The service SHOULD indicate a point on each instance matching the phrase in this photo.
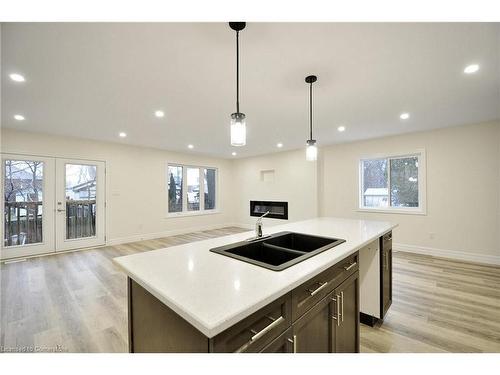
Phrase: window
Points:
(209, 183)
(174, 188)
(393, 184)
(185, 184)
(193, 189)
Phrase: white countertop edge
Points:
(212, 330)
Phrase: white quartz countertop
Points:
(212, 291)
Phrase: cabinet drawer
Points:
(308, 294)
(252, 334)
(283, 344)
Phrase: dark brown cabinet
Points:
(312, 333)
(319, 316)
(282, 344)
(385, 272)
(346, 316)
(332, 325)
(311, 292)
(252, 334)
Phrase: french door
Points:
(80, 204)
(51, 204)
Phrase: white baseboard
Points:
(450, 254)
(168, 233)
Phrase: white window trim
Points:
(202, 210)
(422, 184)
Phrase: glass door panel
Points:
(80, 200)
(23, 202)
(80, 204)
(28, 218)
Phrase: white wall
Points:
(132, 172)
(463, 187)
(293, 180)
(463, 190)
(498, 228)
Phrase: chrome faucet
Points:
(258, 226)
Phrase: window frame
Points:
(202, 210)
(422, 185)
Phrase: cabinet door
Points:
(386, 274)
(387, 281)
(282, 344)
(255, 332)
(312, 333)
(346, 313)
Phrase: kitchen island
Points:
(187, 298)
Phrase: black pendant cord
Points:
(310, 111)
(237, 72)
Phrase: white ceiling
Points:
(94, 80)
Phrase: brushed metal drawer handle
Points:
(342, 308)
(338, 317)
(294, 342)
(350, 266)
(266, 329)
(315, 291)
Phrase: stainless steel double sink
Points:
(278, 251)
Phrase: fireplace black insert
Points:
(277, 210)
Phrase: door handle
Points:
(337, 302)
(315, 291)
(293, 342)
(342, 308)
(262, 332)
(60, 210)
(275, 322)
(347, 268)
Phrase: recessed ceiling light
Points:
(404, 116)
(233, 153)
(279, 145)
(159, 114)
(19, 117)
(122, 134)
(17, 77)
(470, 69)
(341, 128)
(190, 146)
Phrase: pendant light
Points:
(238, 123)
(311, 149)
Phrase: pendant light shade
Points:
(311, 148)
(238, 130)
(238, 122)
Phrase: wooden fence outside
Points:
(80, 218)
(23, 221)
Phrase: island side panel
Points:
(369, 280)
(155, 328)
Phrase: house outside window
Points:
(191, 190)
(394, 183)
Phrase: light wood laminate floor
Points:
(77, 302)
